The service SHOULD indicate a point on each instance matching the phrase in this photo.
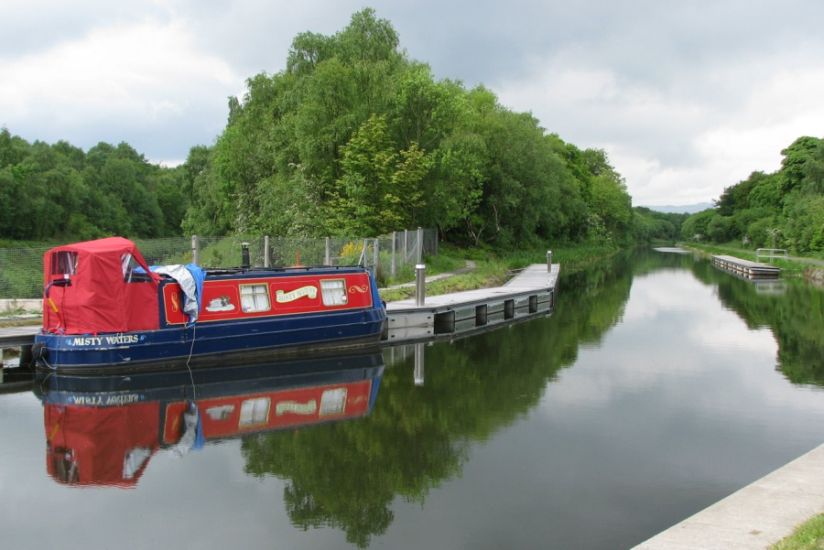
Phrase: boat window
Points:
(254, 298)
(132, 273)
(333, 292)
(64, 263)
(333, 402)
(254, 411)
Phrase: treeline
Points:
(59, 191)
(783, 209)
(650, 225)
(354, 138)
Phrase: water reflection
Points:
(649, 393)
(795, 316)
(651, 386)
(349, 475)
(103, 430)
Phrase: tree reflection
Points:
(796, 319)
(347, 475)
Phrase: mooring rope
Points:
(188, 360)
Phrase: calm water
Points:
(658, 387)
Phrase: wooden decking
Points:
(745, 268)
(530, 293)
(11, 337)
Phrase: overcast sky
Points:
(686, 97)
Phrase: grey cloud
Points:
(702, 58)
(37, 25)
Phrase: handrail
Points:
(770, 253)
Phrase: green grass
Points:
(807, 536)
(11, 243)
(493, 268)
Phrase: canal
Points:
(658, 386)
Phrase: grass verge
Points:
(493, 268)
(807, 536)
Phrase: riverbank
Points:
(494, 267)
(488, 268)
(807, 536)
(811, 269)
(757, 516)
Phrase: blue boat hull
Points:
(213, 343)
(109, 389)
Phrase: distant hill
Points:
(682, 208)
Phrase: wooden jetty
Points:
(530, 293)
(745, 268)
(20, 338)
(12, 337)
(17, 378)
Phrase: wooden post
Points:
(195, 250)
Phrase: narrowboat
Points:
(104, 429)
(105, 308)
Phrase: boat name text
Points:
(100, 340)
(105, 400)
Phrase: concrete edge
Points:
(756, 516)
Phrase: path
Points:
(470, 265)
(808, 261)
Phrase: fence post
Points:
(376, 257)
(267, 256)
(435, 253)
(195, 250)
(420, 245)
(327, 258)
(405, 246)
(392, 265)
(549, 260)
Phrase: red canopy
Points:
(90, 445)
(91, 287)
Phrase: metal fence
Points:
(389, 256)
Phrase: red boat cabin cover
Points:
(92, 287)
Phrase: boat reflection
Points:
(102, 430)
